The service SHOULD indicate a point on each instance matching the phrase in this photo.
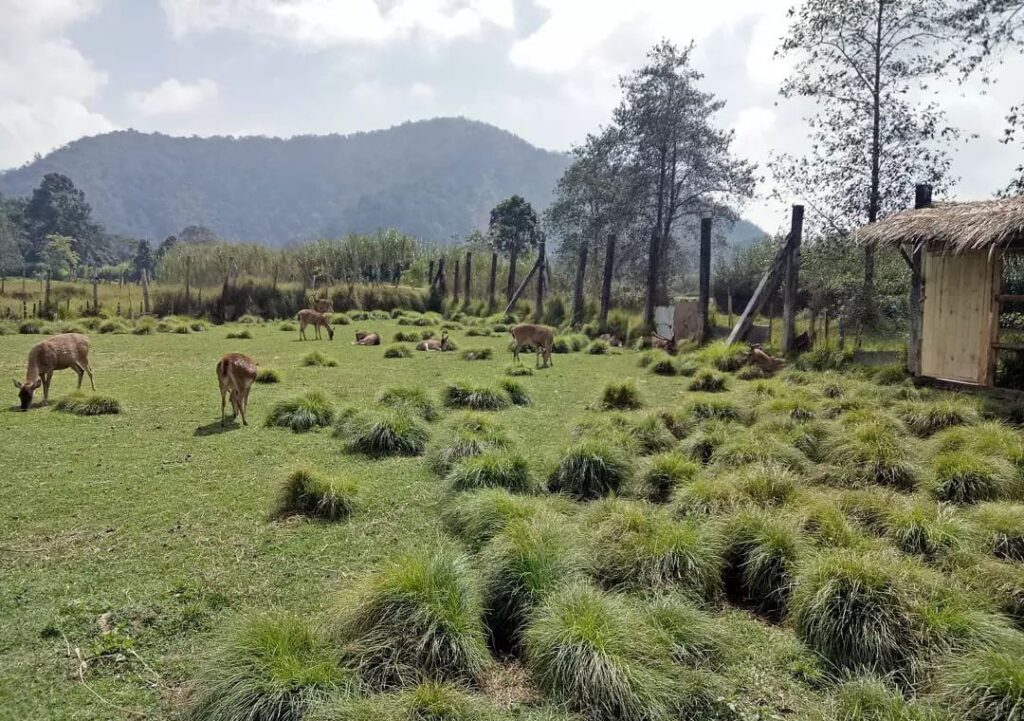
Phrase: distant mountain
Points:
(432, 179)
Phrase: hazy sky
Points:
(543, 69)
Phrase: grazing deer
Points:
(315, 319)
(540, 337)
(433, 344)
(235, 373)
(67, 350)
(762, 360)
(666, 344)
(364, 338)
(323, 305)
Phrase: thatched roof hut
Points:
(952, 227)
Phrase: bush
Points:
(479, 516)
(398, 350)
(707, 382)
(986, 684)
(595, 654)
(406, 337)
(517, 395)
(412, 398)
(875, 452)
(302, 413)
(926, 530)
(597, 347)
(268, 375)
(1002, 529)
(963, 477)
(514, 370)
(478, 398)
(856, 611)
(493, 469)
(271, 667)
(560, 345)
(622, 395)
(92, 404)
(316, 358)
(394, 432)
(589, 470)
(32, 326)
(924, 418)
(340, 319)
(524, 563)
(663, 474)
(761, 557)
(417, 619)
(304, 492)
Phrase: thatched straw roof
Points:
(952, 227)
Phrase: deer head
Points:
(330, 333)
(25, 391)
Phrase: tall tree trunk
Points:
(512, 260)
(606, 282)
(654, 252)
(467, 293)
(145, 291)
(188, 289)
(456, 286)
(492, 283)
(581, 277)
(538, 311)
(868, 309)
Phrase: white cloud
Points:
(46, 85)
(173, 97)
(321, 24)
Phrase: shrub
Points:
(708, 382)
(316, 358)
(561, 345)
(479, 398)
(1002, 529)
(418, 618)
(398, 350)
(761, 558)
(924, 418)
(635, 549)
(523, 564)
(93, 404)
(269, 668)
(595, 654)
(925, 529)
(875, 452)
(590, 469)
(394, 432)
(493, 469)
(304, 492)
(692, 635)
(412, 398)
(302, 413)
(515, 370)
(517, 395)
(663, 474)
(856, 611)
(597, 347)
(621, 395)
(406, 337)
(471, 354)
(986, 684)
(479, 516)
(268, 375)
(963, 477)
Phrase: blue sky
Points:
(543, 69)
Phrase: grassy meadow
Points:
(623, 535)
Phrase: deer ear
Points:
(16, 383)
(39, 382)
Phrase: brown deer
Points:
(364, 338)
(762, 360)
(434, 344)
(315, 319)
(541, 337)
(666, 344)
(67, 350)
(235, 373)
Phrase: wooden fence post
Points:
(96, 294)
(456, 286)
(493, 281)
(704, 290)
(790, 298)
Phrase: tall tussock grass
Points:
(1001, 529)
(477, 517)
(924, 418)
(393, 432)
(303, 413)
(413, 398)
(308, 493)
(467, 435)
(590, 469)
(874, 452)
(621, 395)
(986, 684)
(663, 473)
(474, 397)
(92, 404)
(494, 469)
(761, 559)
(963, 477)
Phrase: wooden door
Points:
(959, 307)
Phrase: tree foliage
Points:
(57, 207)
(514, 230)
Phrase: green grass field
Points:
(131, 543)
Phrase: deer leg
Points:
(80, 372)
(46, 387)
(515, 352)
(223, 393)
(243, 405)
(88, 369)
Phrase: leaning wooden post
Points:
(922, 199)
(519, 291)
(789, 299)
(538, 310)
(606, 282)
(467, 290)
(492, 282)
(145, 291)
(704, 290)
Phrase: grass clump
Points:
(518, 370)
(244, 334)
(745, 448)
(865, 698)
(112, 325)
(1001, 526)
(692, 635)
(702, 444)
(302, 413)
(394, 432)
(663, 365)
(708, 496)
(478, 516)
(707, 381)
(271, 667)
(874, 452)
(93, 404)
(621, 395)
(398, 350)
(304, 492)
(712, 407)
(478, 398)
(318, 359)
(268, 375)
(412, 398)
(964, 477)
(468, 435)
(762, 553)
(287, 326)
(406, 337)
(924, 418)
(419, 618)
(986, 684)
(597, 655)
(597, 347)
(517, 395)
(471, 354)
(590, 469)
(494, 469)
(767, 484)
(925, 529)
(724, 357)
(663, 474)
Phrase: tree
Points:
(514, 230)
(11, 240)
(681, 164)
(197, 235)
(58, 256)
(143, 260)
(57, 207)
(165, 245)
(870, 142)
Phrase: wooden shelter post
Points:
(922, 199)
(704, 291)
(789, 300)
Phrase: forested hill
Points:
(433, 179)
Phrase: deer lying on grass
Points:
(433, 344)
(67, 350)
(315, 319)
(540, 337)
(762, 360)
(236, 374)
(364, 338)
